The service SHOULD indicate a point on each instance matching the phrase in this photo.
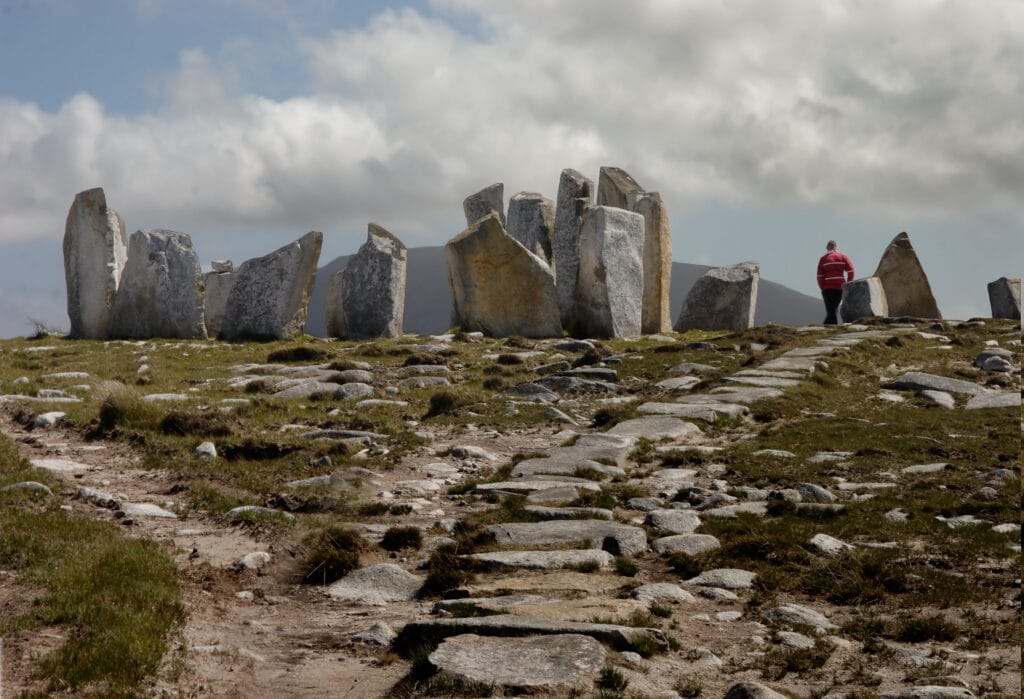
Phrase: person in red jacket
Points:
(834, 270)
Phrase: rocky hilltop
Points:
(783, 511)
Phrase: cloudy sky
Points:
(767, 127)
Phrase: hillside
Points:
(428, 299)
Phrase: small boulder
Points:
(725, 298)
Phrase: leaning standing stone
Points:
(488, 199)
(95, 250)
(725, 298)
(1004, 296)
(863, 298)
(498, 286)
(366, 299)
(906, 285)
(531, 221)
(610, 285)
(270, 296)
(161, 290)
(615, 187)
(575, 194)
(656, 316)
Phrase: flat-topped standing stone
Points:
(487, 200)
(531, 221)
(366, 299)
(610, 283)
(1004, 297)
(656, 316)
(628, 540)
(161, 289)
(906, 286)
(270, 296)
(575, 194)
(95, 250)
(498, 286)
(560, 664)
(725, 298)
(216, 289)
(615, 186)
(863, 298)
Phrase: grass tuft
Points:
(332, 553)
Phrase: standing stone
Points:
(863, 298)
(531, 221)
(95, 250)
(906, 286)
(656, 316)
(575, 194)
(269, 298)
(488, 199)
(610, 284)
(725, 298)
(1004, 297)
(217, 287)
(498, 286)
(161, 289)
(366, 299)
(615, 187)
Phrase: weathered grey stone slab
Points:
(655, 428)
(487, 200)
(572, 384)
(610, 282)
(929, 691)
(707, 411)
(656, 316)
(994, 399)
(569, 512)
(366, 299)
(758, 509)
(510, 625)
(615, 187)
(674, 521)
(863, 298)
(808, 364)
(771, 374)
(691, 368)
(727, 578)
(216, 289)
(525, 486)
(662, 592)
(29, 486)
(553, 496)
(531, 221)
(270, 296)
(561, 664)
(825, 545)
(95, 251)
(498, 286)
(679, 383)
(545, 560)
(940, 398)
(798, 614)
(752, 690)
(380, 634)
(628, 540)
(919, 381)
(161, 289)
(815, 493)
(575, 194)
(906, 285)
(822, 351)
(743, 395)
(377, 585)
(690, 544)
(1004, 298)
(763, 381)
(562, 467)
(924, 468)
(59, 465)
(725, 298)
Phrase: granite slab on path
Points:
(655, 428)
(559, 664)
(545, 560)
(377, 585)
(599, 533)
(995, 399)
(704, 411)
(919, 381)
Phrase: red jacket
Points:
(834, 268)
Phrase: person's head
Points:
(832, 245)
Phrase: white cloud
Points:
(908, 108)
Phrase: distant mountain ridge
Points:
(428, 300)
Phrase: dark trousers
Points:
(832, 298)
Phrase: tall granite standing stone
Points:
(161, 289)
(725, 298)
(610, 285)
(863, 298)
(488, 199)
(656, 315)
(575, 194)
(217, 287)
(498, 286)
(615, 187)
(270, 296)
(531, 221)
(906, 286)
(366, 299)
(1004, 297)
(95, 250)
